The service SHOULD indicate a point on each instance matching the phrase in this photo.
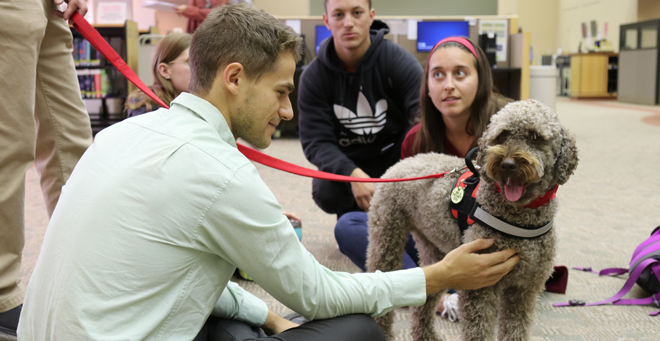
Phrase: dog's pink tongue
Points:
(513, 190)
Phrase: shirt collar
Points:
(206, 111)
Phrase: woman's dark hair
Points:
(431, 135)
(166, 51)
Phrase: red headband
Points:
(459, 40)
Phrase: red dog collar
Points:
(540, 201)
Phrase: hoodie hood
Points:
(328, 56)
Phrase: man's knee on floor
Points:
(333, 197)
(329, 200)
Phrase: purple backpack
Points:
(644, 269)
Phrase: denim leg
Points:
(352, 235)
(411, 252)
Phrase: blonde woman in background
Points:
(171, 72)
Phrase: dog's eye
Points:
(502, 137)
(534, 136)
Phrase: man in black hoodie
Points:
(356, 100)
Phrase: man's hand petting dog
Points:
(464, 269)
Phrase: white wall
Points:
(284, 8)
(572, 13)
(557, 23)
(167, 21)
(144, 17)
(540, 18)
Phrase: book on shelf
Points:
(94, 83)
(84, 54)
(97, 78)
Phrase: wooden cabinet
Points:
(590, 75)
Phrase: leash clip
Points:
(587, 269)
(575, 303)
(456, 170)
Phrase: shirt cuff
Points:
(253, 310)
(237, 304)
(408, 287)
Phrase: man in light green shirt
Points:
(162, 208)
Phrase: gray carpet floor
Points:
(607, 208)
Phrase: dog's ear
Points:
(481, 154)
(567, 159)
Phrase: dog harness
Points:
(466, 211)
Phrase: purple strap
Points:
(626, 288)
(654, 239)
(612, 272)
(639, 301)
(604, 272)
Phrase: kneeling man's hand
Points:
(276, 324)
(362, 191)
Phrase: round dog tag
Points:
(457, 195)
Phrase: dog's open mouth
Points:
(514, 189)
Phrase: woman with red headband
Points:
(457, 100)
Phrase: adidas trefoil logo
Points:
(365, 122)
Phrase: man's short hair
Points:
(238, 34)
(325, 5)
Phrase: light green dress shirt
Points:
(151, 225)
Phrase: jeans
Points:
(351, 233)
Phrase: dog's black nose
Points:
(508, 165)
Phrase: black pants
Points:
(334, 197)
(357, 327)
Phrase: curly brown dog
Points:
(524, 154)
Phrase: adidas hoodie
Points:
(358, 119)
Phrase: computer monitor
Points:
(430, 33)
(322, 33)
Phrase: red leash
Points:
(92, 35)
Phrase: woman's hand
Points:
(180, 9)
(290, 215)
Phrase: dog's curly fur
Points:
(524, 144)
